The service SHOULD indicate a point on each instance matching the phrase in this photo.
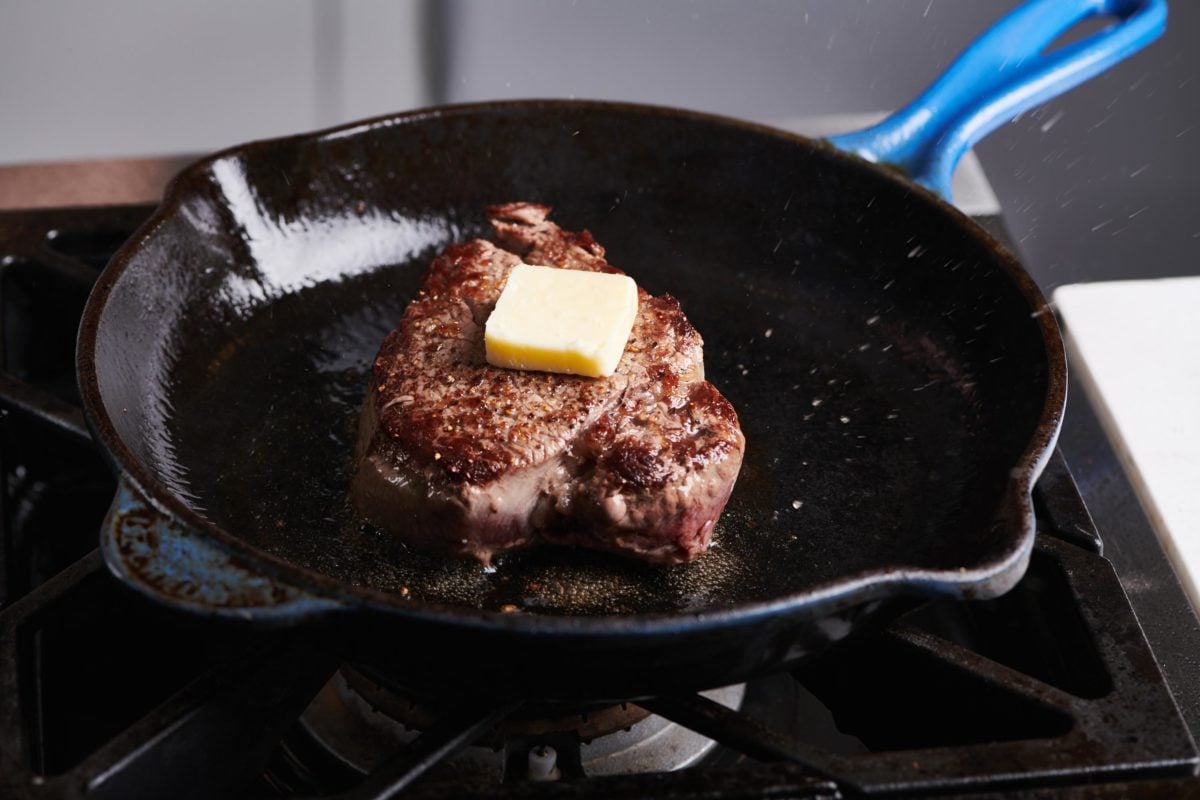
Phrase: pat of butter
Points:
(561, 320)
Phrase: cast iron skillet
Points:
(897, 376)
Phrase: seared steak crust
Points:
(458, 456)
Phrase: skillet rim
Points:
(1014, 505)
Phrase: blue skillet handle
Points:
(1001, 74)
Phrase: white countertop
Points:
(1135, 346)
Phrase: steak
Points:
(457, 456)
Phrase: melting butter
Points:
(561, 320)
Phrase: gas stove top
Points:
(1050, 690)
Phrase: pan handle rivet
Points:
(543, 764)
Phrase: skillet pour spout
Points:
(897, 414)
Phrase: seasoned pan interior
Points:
(887, 368)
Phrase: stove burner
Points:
(587, 723)
(361, 724)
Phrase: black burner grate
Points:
(1048, 691)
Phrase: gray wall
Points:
(83, 79)
(1101, 183)
(758, 59)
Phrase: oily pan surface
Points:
(887, 374)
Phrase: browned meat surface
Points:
(457, 456)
